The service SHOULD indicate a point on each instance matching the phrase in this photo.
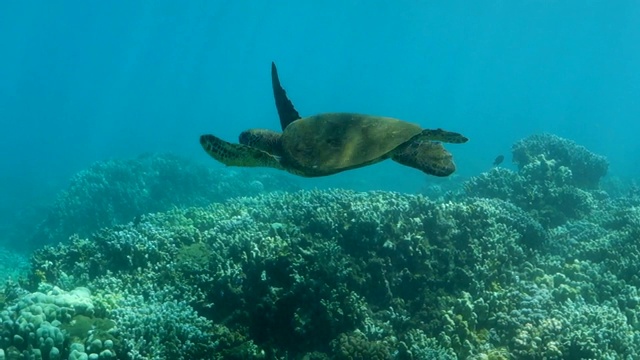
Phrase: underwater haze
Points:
(529, 250)
(86, 81)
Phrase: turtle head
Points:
(265, 140)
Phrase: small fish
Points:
(499, 159)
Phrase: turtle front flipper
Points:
(286, 111)
(237, 154)
(428, 156)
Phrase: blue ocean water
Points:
(84, 81)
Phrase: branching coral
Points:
(320, 274)
(542, 187)
(587, 167)
(119, 191)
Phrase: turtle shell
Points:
(332, 142)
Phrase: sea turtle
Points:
(329, 143)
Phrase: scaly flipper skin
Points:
(428, 156)
(444, 136)
(422, 153)
(263, 139)
(286, 111)
(237, 154)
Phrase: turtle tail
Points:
(237, 154)
(427, 156)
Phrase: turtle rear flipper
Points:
(237, 154)
(444, 136)
(428, 156)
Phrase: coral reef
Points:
(118, 191)
(286, 276)
(336, 274)
(540, 188)
(587, 168)
(556, 181)
(35, 325)
(533, 265)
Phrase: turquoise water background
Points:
(83, 81)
